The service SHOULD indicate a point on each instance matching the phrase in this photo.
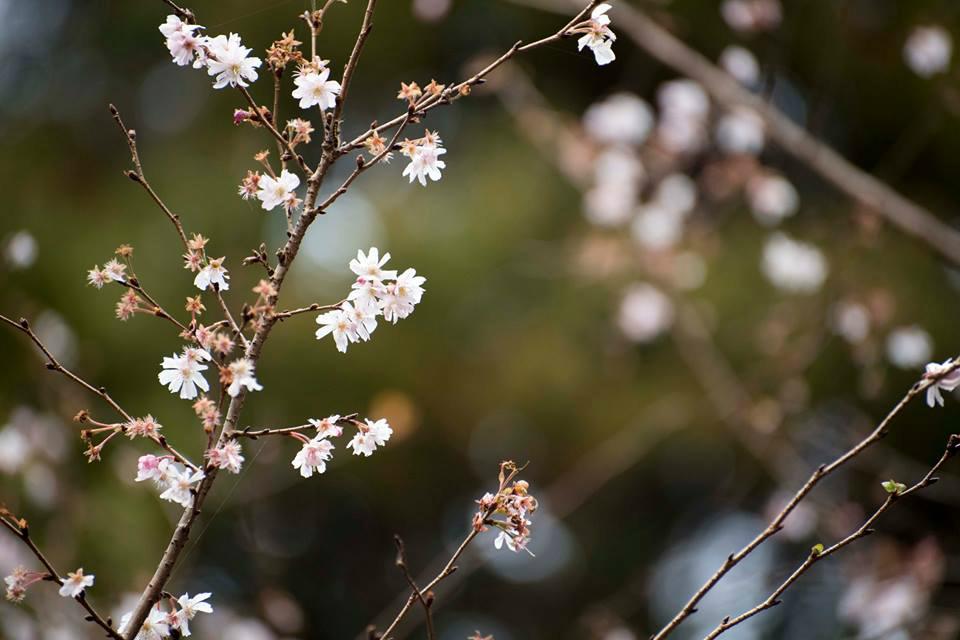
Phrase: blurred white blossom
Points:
(772, 198)
(741, 64)
(927, 50)
(793, 266)
(909, 347)
(622, 118)
(645, 313)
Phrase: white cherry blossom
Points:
(277, 191)
(230, 63)
(313, 456)
(315, 88)
(242, 375)
(182, 373)
(75, 582)
(190, 607)
(949, 380)
(214, 273)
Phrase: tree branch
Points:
(953, 445)
(137, 174)
(23, 533)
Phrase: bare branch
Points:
(137, 174)
(425, 600)
(23, 534)
(817, 554)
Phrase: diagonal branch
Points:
(817, 554)
(908, 216)
(20, 530)
(425, 600)
(137, 174)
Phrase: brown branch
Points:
(817, 554)
(54, 365)
(450, 565)
(425, 601)
(23, 533)
(160, 312)
(453, 92)
(286, 256)
(137, 174)
(348, 71)
(281, 139)
(776, 524)
(229, 318)
(908, 216)
(184, 14)
(253, 434)
(283, 315)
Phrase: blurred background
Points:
(627, 286)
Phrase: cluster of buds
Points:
(213, 340)
(514, 503)
(19, 581)
(207, 411)
(252, 117)
(283, 51)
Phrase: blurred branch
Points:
(722, 386)
(910, 217)
(137, 174)
(818, 553)
(283, 315)
(20, 530)
(253, 434)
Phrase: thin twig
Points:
(137, 174)
(425, 601)
(160, 312)
(817, 554)
(229, 318)
(253, 434)
(54, 365)
(462, 88)
(23, 534)
(283, 315)
(281, 139)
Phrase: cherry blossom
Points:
(340, 326)
(793, 266)
(645, 313)
(945, 379)
(598, 37)
(190, 607)
(369, 436)
(180, 483)
(227, 456)
(183, 42)
(214, 273)
(369, 267)
(150, 467)
(313, 456)
(97, 277)
(75, 583)
(145, 427)
(909, 347)
(402, 295)
(182, 373)
(424, 163)
(241, 374)
(277, 191)
(928, 50)
(19, 581)
(155, 627)
(229, 62)
(741, 64)
(315, 88)
(327, 427)
(363, 316)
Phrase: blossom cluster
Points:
(317, 451)
(224, 57)
(376, 292)
(21, 579)
(514, 503)
(183, 373)
(176, 481)
(597, 35)
(173, 623)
